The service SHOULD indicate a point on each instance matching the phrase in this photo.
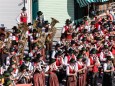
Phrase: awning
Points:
(83, 3)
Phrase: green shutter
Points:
(34, 9)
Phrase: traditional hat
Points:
(105, 25)
(12, 49)
(93, 51)
(68, 21)
(6, 74)
(34, 31)
(84, 38)
(23, 66)
(74, 35)
(85, 18)
(29, 24)
(93, 23)
(110, 30)
(14, 28)
(7, 82)
(39, 55)
(79, 56)
(46, 23)
(110, 37)
(39, 13)
(70, 51)
(85, 31)
(24, 9)
(58, 45)
(52, 61)
(105, 47)
(109, 58)
(14, 42)
(72, 61)
(98, 38)
(27, 58)
(59, 53)
(83, 49)
(103, 20)
(73, 42)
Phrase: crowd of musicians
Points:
(85, 53)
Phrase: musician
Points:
(71, 72)
(69, 56)
(104, 53)
(40, 19)
(51, 69)
(66, 27)
(28, 63)
(38, 74)
(108, 72)
(93, 64)
(23, 75)
(81, 70)
(23, 17)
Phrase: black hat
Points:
(7, 82)
(109, 58)
(113, 22)
(34, 31)
(24, 9)
(68, 21)
(12, 49)
(17, 31)
(46, 23)
(79, 56)
(93, 51)
(72, 61)
(14, 28)
(110, 30)
(39, 13)
(98, 38)
(74, 35)
(14, 42)
(39, 55)
(93, 23)
(73, 42)
(29, 24)
(110, 37)
(70, 51)
(81, 23)
(58, 45)
(103, 20)
(59, 53)
(6, 74)
(27, 58)
(85, 31)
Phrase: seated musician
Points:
(71, 72)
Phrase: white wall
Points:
(58, 9)
(9, 10)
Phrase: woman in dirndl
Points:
(108, 72)
(71, 72)
(51, 70)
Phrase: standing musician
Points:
(93, 64)
(51, 69)
(108, 72)
(81, 70)
(22, 18)
(71, 72)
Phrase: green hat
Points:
(59, 53)
(72, 61)
(84, 38)
(93, 23)
(27, 58)
(93, 51)
(52, 61)
(85, 18)
(10, 69)
(1, 76)
(7, 82)
(105, 47)
(22, 67)
(83, 49)
(70, 51)
(109, 58)
(12, 63)
(6, 74)
(98, 38)
(79, 56)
